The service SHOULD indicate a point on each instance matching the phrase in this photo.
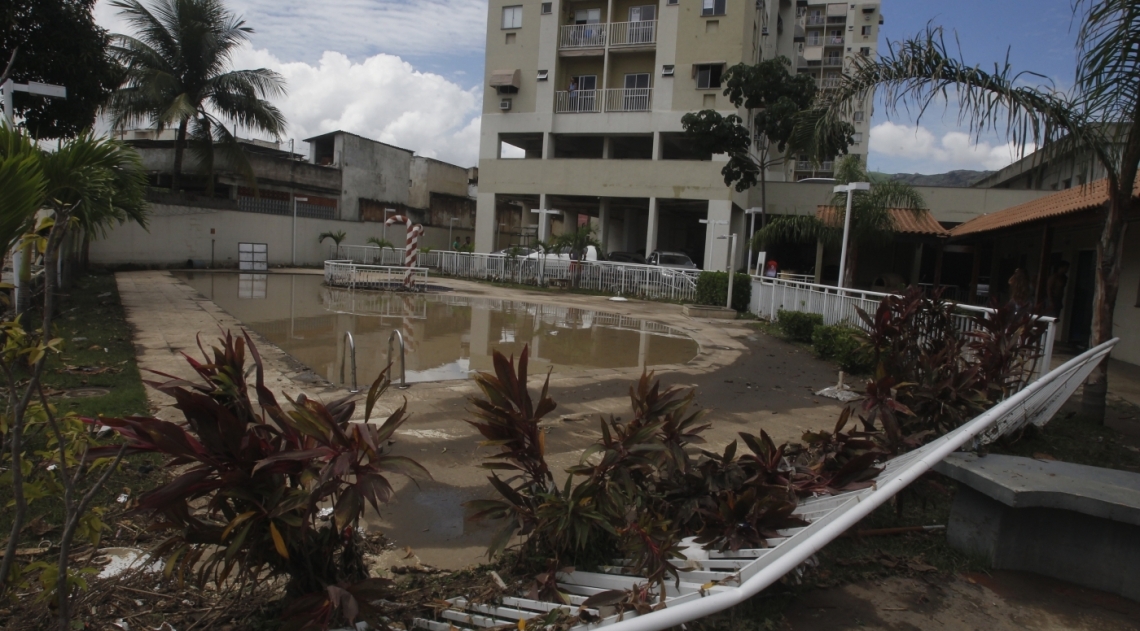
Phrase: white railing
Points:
(831, 62)
(808, 165)
(830, 82)
(838, 306)
(816, 20)
(354, 276)
(814, 41)
(713, 580)
(583, 36)
(577, 102)
(629, 100)
(640, 33)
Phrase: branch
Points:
(8, 68)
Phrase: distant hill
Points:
(961, 178)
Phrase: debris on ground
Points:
(839, 391)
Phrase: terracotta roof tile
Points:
(905, 221)
(1072, 200)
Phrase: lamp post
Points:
(542, 213)
(449, 227)
(728, 265)
(387, 211)
(752, 233)
(850, 190)
(296, 200)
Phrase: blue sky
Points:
(410, 72)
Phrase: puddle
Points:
(446, 336)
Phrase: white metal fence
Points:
(355, 276)
(629, 100)
(623, 279)
(577, 102)
(838, 306)
(712, 581)
(638, 33)
(582, 36)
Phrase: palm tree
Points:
(336, 237)
(872, 222)
(177, 75)
(380, 243)
(576, 242)
(22, 185)
(1100, 117)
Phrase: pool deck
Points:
(746, 380)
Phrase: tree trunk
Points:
(179, 149)
(1109, 252)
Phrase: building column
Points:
(543, 219)
(486, 222)
(607, 148)
(627, 219)
(547, 145)
(818, 262)
(569, 222)
(604, 224)
(716, 250)
(651, 228)
(656, 145)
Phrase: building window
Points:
(512, 17)
(506, 89)
(865, 51)
(857, 116)
(857, 138)
(547, 8)
(866, 31)
(712, 7)
(708, 76)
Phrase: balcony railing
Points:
(816, 20)
(629, 100)
(641, 33)
(814, 41)
(837, 19)
(807, 165)
(577, 102)
(833, 41)
(583, 36)
(833, 62)
(830, 82)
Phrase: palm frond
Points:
(1108, 48)
(22, 185)
(792, 229)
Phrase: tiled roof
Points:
(1072, 200)
(906, 221)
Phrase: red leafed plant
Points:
(246, 502)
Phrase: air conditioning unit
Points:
(505, 104)
(764, 31)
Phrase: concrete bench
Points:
(1072, 522)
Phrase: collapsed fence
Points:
(712, 581)
(622, 279)
(840, 306)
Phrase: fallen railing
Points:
(355, 276)
(713, 581)
(839, 306)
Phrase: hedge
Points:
(798, 326)
(845, 345)
(712, 289)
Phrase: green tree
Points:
(57, 41)
(774, 99)
(1099, 115)
(336, 237)
(872, 222)
(177, 75)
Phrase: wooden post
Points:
(1043, 267)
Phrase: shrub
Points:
(798, 326)
(250, 482)
(845, 345)
(712, 289)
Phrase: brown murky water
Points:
(446, 336)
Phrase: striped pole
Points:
(411, 246)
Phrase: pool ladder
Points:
(350, 354)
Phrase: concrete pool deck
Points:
(746, 380)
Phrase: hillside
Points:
(961, 178)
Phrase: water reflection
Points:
(446, 336)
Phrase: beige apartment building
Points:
(583, 105)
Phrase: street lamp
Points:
(451, 225)
(386, 212)
(850, 190)
(728, 265)
(296, 200)
(752, 233)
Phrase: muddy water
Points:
(446, 336)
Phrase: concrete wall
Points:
(432, 176)
(269, 169)
(521, 54)
(373, 171)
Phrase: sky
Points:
(410, 73)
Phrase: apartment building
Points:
(583, 105)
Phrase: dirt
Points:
(998, 601)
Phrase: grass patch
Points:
(1073, 437)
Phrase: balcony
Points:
(629, 100)
(826, 166)
(641, 33)
(816, 20)
(833, 41)
(832, 62)
(830, 83)
(579, 36)
(580, 102)
(814, 41)
(595, 101)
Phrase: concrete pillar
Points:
(569, 222)
(603, 235)
(486, 222)
(543, 219)
(651, 228)
(547, 146)
(656, 145)
(628, 216)
(716, 250)
(818, 262)
(607, 148)
(916, 267)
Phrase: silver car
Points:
(675, 260)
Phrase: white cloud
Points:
(954, 150)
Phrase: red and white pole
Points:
(411, 246)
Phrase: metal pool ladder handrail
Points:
(351, 352)
(403, 373)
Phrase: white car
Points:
(563, 254)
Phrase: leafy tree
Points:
(576, 241)
(57, 41)
(1099, 116)
(871, 219)
(774, 99)
(177, 74)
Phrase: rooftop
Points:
(906, 221)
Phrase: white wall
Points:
(178, 233)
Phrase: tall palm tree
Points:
(872, 222)
(336, 237)
(22, 185)
(178, 75)
(1100, 116)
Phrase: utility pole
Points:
(850, 190)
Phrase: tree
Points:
(774, 99)
(57, 41)
(336, 237)
(1099, 116)
(576, 242)
(177, 75)
(871, 218)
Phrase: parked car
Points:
(563, 254)
(675, 260)
(516, 251)
(626, 257)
